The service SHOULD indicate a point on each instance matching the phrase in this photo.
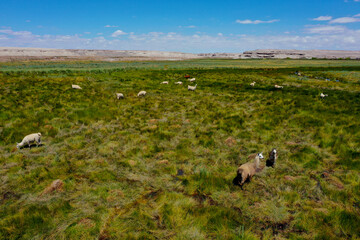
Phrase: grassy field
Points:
(161, 167)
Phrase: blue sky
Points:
(187, 26)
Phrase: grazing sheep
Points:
(192, 79)
(278, 86)
(119, 95)
(165, 82)
(252, 84)
(31, 138)
(247, 170)
(272, 158)
(192, 88)
(75, 86)
(141, 94)
(323, 95)
(178, 83)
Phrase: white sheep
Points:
(192, 88)
(252, 84)
(247, 170)
(75, 86)
(178, 83)
(141, 94)
(323, 95)
(192, 79)
(278, 86)
(119, 95)
(31, 138)
(165, 82)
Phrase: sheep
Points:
(192, 79)
(141, 94)
(192, 88)
(119, 95)
(75, 86)
(252, 84)
(247, 170)
(165, 82)
(31, 138)
(323, 95)
(272, 158)
(178, 83)
(278, 86)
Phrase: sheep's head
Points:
(18, 145)
(39, 134)
(260, 155)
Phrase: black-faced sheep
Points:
(31, 138)
(246, 171)
(119, 95)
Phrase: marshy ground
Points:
(162, 166)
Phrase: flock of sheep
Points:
(322, 95)
(244, 173)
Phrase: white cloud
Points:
(27, 21)
(220, 34)
(315, 37)
(323, 18)
(118, 33)
(110, 26)
(247, 21)
(345, 20)
(324, 29)
(357, 15)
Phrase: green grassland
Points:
(161, 167)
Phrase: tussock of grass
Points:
(162, 166)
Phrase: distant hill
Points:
(14, 53)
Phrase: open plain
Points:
(161, 166)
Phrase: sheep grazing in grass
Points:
(31, 138)
(323, 95)
(75, 86)
(278, 86)
(272, 158)
(165, 82)
(192, 79)
(119, 95)
(192, 88)
(178, 83)
(246, 171)
(252, 84)
(141, 94)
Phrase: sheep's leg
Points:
(28, 142)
